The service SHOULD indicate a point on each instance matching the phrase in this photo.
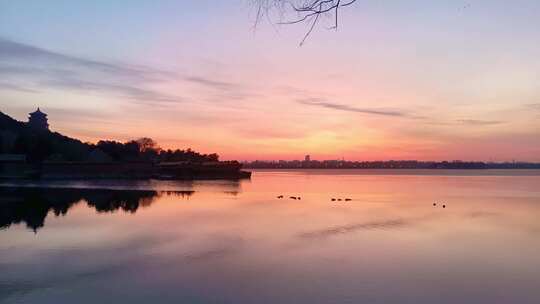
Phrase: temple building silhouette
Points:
(38, 120)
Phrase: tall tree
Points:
(146, 144)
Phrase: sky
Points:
(428, 80)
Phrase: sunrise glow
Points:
(415, 80)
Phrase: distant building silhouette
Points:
(390, 164)
(38, 120)
(307, 158)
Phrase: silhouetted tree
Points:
(112, 148)
(212, 157)
(309, 11)
(40, 149)
(148, 148)
(7, 141)
(146, 144)
(19, 146)
(131, 151)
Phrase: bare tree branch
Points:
(308, 11)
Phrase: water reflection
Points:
(328, 232)
(140, 243)
(31, 203)
(230, 186)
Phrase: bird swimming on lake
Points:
(281, 196)
(292, 197)
(333, 199)
(348, 199)
(444, 206)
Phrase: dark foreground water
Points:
(231, 242)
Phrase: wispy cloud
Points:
(14, 87)
(477, 122)
(11, 50)
(29, 68)
(268, 133)
(210, 254)
(123, 90)
(318, 102)
(466, 122)
(215, 84)
(216, 90)
(534, 106)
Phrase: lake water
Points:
(236, 242)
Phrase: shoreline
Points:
(406, 172)
(123, 171)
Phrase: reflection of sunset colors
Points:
(249, 246)
(408, 80)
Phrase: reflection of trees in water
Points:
(32, 205)
(111, 201)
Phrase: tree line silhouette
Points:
(41, 145)
(146, 149)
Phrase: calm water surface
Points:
(235, 242)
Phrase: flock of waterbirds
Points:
(435, 205)
(299, 198)
(341, 199)
(337, 199)
(291, 197)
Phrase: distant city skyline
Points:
(408, 80)
(343, 159)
